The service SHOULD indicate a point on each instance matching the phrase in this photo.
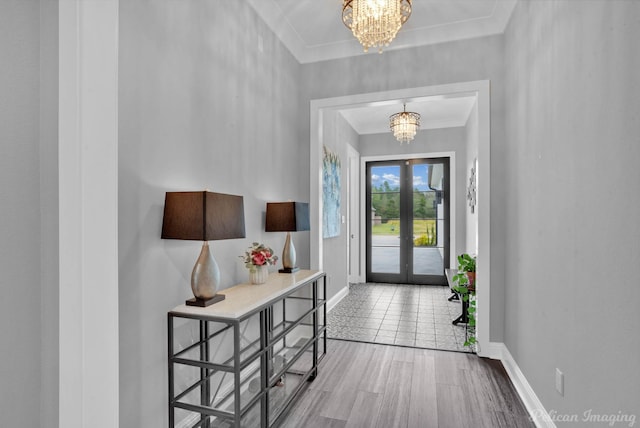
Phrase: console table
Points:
(242, 362)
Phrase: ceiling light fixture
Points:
(404, 125)
(375, 23)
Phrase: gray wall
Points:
(200, 107)
(429, 141)
(454, 62)
(338, 135)
(20, 258)
(191, 73)
(572, 180)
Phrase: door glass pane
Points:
(427, 221)
(385, 219)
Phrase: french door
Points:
(407, 221)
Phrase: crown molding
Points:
(276, 19)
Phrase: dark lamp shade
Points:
(287, 217)
(202, 216)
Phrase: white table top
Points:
(244, 298)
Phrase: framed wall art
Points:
(330, 194)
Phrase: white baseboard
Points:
(356, 279)
(337, 297)
(528, 396)
(493, 350)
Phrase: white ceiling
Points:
(436, 112)
(313, 29)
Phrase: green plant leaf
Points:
(461, 289)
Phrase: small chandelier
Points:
(404, 125)
(375, 23)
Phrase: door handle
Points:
(353, 236)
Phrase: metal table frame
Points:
(269, 335)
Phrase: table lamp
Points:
(287, 217)
(203, 216)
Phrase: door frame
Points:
(482, 89)
(88, 312)
(353, 191)
(452, 191)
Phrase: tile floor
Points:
(398, 314)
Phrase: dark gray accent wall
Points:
(571, 196)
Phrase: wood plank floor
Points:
(379, 386)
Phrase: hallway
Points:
(379, 386)
(405, 315)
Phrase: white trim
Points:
(344, 291)
(347, 46)
(482, 89)
(88, 220)
(493, 350)
(315, 191)
(483, 208)
(363, 209)
(531, 401)
(353, 154)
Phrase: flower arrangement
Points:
(258, 255)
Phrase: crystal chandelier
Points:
(404, 125)
(375, 23)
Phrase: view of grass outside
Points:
(385, 203)
(424, 231)
(392, 227)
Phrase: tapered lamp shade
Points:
(203, 216)
(287, 217)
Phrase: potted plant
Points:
(257, 260)
(466, 287)
(467, 267)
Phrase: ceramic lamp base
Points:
(205, 277)
(288, 254)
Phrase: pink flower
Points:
(259, 255)
(258, 259)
